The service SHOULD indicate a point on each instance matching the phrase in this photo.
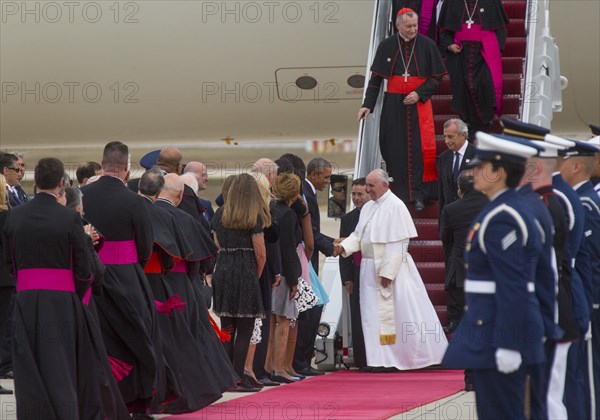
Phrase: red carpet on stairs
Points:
(340, 395)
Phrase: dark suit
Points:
(455, 221)
(350, 272)
(309, 320)
(17, 198)
(446, 187)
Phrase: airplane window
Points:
(357, 81)
(306, 82)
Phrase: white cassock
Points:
(400, 315)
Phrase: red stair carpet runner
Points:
(427, 249)
(340, 395)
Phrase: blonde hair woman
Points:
(284, 308)
(238, 228)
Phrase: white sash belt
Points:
(488, 287)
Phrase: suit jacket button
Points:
(466, 308)
(479, 322)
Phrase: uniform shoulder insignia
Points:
(590, 204)
(570, 212)
(507, 240)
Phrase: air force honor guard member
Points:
(576, 170)
(502, 330)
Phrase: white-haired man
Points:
(401, 327)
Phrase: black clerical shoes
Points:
(310, 371)
(4, 391)
(7, 375)
(419, 205)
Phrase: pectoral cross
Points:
(406, 74)
(469, 23)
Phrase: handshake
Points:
(338, 249)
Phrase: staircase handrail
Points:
(543, 83)
(368, 156)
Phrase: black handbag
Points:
(206, 291)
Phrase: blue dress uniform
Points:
(502, 312)
(577, 390)
(591, 250)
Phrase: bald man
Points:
(266, 167)
(200, 172)
(190, 272)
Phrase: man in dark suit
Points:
(318, 177)
(452, 161)
(455, 221)
(350, 271)
(9, 167)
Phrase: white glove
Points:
(508, 361)
(588, 334)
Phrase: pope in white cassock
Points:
(401, 328)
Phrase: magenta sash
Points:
(60, 279)
(491, 54)
(427, 7)
(180, 267)
(118, 252)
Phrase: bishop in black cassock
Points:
(413, 67)
(473, 34)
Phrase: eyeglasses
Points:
(13, 168)
(339, 189)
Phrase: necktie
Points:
(455, 167)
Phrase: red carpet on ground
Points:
(340, 395)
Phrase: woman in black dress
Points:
(238, 228)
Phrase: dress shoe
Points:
(253, 382)
(245, 386)
(280, 378)
(296, 374)
(8, 375)
(419, 205)
(141, 416)
(382, 369)
(469, 387)
(366, 369)
(449, 329)
(268, 382)
(310, 371)
(4, 391)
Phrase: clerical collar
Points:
(405, 40)
(166, 200)
(47, 192)
(116, 177)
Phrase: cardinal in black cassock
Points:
(473, 35)
(411, 63)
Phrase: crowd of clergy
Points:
(106, 286)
